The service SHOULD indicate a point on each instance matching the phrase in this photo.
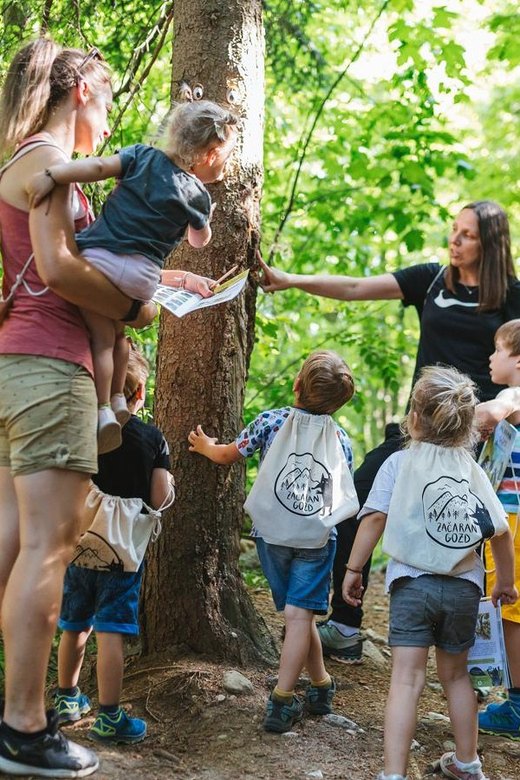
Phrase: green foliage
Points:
(364, 164)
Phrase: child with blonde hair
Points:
(434, 504)
(160, 195)
(298, 571)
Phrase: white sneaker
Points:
(449, 768)
(120, 408)
(109, 431)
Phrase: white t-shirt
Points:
(379, 500)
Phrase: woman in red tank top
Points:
(54, 102)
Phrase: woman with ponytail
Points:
(54, 102)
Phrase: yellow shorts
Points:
(48, 415)
(509, 611)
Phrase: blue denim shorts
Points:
(433, 609)
(299, 577)
(106, 601)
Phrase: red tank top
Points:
(45, 325)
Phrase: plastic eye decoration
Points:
(233, 95)
(185, 92)
(197, 91)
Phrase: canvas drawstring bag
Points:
(304, 486)
(442, 508)
(118, 531)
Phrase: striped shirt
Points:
(509, 489)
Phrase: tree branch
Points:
(317, 116)
(137, 85)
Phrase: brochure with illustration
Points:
(181, 302)
(487, 659)
(496, 452)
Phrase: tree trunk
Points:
(194, 594)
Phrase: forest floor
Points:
(197, 731)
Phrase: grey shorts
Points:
(433, 610)
(135, 275)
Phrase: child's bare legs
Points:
(110, 664)
(406, 685)
(121, 353)
(462, 703)
(103, 338)
(297, 647)
(71, 653)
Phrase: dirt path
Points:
(198, 732)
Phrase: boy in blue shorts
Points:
(299, 576)
(108, 601)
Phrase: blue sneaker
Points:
(319, 699)
(281, 717)
(117, 728)
(71, 708)
(502, 719)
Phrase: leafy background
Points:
(383, 117)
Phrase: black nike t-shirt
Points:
(453, 332)
(127, 471)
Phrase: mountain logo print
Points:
(304, 486)
(454, 516)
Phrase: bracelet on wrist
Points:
(48, 173)
(182, 280)
(356, 571)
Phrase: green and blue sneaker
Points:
(71, 708)
(344, 649)
(117, 727)
(281, 717)
(502, 719)
(319, 698)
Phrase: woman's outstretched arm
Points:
(343, 288)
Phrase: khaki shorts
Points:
(48, 415)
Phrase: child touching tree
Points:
(159, 196)
(296, 550)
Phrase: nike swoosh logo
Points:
(13, 751)
(445, 303)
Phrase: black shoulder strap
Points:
(435, 278)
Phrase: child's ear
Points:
(211, 156)
(297, 384)
(140, 393)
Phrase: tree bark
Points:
(194, 593)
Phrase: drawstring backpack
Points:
(119, 531)
(442, 508)
(304, 486)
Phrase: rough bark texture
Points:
(194, 594)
